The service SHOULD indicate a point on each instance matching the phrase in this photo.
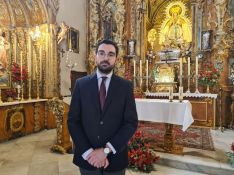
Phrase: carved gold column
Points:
(60, 111)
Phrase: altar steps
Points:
(203, 161)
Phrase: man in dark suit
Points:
(102, 117)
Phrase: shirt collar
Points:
(100, 75)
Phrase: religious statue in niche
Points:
(131, 47)
(152, 36)
(4, 46)
(176, 27)
(206, 40)
(108, 24)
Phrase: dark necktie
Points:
(102, 92)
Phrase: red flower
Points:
(232, 147)
(208, 75)
(141, 156)
(16, 73)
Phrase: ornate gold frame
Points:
(73, 40)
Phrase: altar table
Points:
(163, 111)
(170, 113)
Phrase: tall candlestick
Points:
(29, 66)
(180, 93)
(188, 66)
(140, 73)
(147, 75)
(134, 68)
(196, 66)
(147, 68)
(170, 94)
(181, 66)
(40, 57)
(140, 68)
(21, 75)
(21, 66)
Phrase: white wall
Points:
(73, 13)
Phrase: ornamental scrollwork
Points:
(57, 107)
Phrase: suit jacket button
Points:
(101, 122)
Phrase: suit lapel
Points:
(94, 92)
(111, 92)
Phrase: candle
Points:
(29, 66)
(147, 73)
(188, 66)
(134, 68)
(140, 69)
(196, 65)
(181, 66)
(147, 68)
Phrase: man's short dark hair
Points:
(106, 41)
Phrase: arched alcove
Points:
(29, 29)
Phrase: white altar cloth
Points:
(163, 111)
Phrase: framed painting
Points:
(206, 42)
(73, 40)
(5, 61)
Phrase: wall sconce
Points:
(36, 34)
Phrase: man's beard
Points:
(105, 69)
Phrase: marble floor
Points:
(30, 155)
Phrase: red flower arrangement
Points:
(209, 75)
(16, 73)
(141, 156)
(230, 155)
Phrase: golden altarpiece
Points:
(162, 44)
(29, 67)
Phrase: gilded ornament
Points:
(16, 121)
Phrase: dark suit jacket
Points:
(91, 128)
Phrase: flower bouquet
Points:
(230, 155)
(141, 156)
(16, 73)
(209, 75)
